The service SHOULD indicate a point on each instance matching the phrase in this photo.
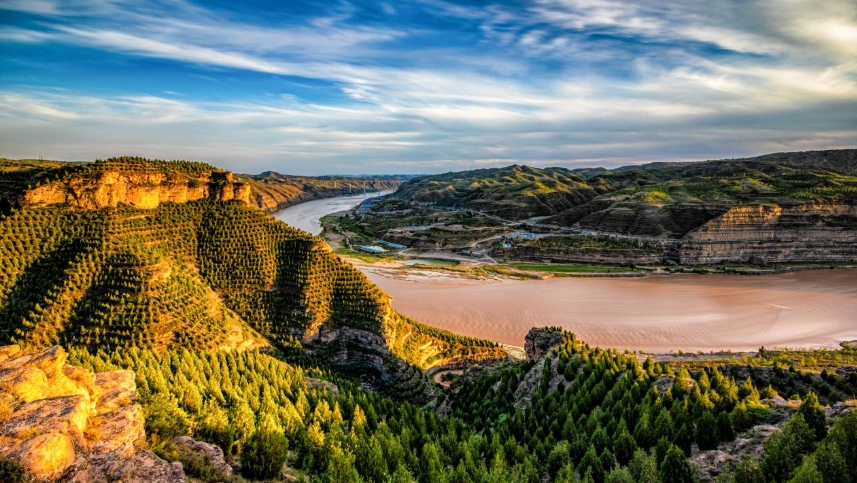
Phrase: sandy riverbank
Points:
(655, 314)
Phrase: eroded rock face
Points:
(64, 424)
(539, 341)
(144, 190)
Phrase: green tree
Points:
(591, 464)
(643, 433)
(778, 462)
(707, 434)
(566, 474)
(748, 471)
(265, 452)
(557, 458)
(831, 464)
(674, 468)
(164, 416)
(808, 473)
(844, 436)
(643, 467)
(340, 468)
(814, 415)
(213, 425)
(624, 446)
(619, 475)
(724, 427)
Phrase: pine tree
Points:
(814, 415)
(674, 468)
(265, 452)
(707, 433)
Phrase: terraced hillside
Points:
(205, 274)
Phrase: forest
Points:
(587, 414)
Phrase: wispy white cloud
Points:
(558, 82)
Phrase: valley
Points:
(158, 325)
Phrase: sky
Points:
(423, 86)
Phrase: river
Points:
(307, 216)
(657, 313)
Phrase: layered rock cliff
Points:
(61, 423)
(113, 184)
(817, 232)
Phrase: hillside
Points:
(202, 273)
(569, 413)
(514, 192)
(778, 208)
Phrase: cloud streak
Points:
(432, 85)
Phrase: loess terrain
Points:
(774, 209)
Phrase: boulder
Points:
(46, 456)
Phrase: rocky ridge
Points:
(113, 183)
(61, 423)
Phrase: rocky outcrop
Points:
(539, 341)
(112, 187)
(61, 423)
(210, 453)
(710, 234)
(808, 232)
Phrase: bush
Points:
(11, 472)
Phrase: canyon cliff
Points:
(141, 185)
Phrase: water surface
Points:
(658, 313)
(307, 216)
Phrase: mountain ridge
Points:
(208, 272)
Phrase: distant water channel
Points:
(307, 216)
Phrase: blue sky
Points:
(314, 87)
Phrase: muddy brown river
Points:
(655, 314)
